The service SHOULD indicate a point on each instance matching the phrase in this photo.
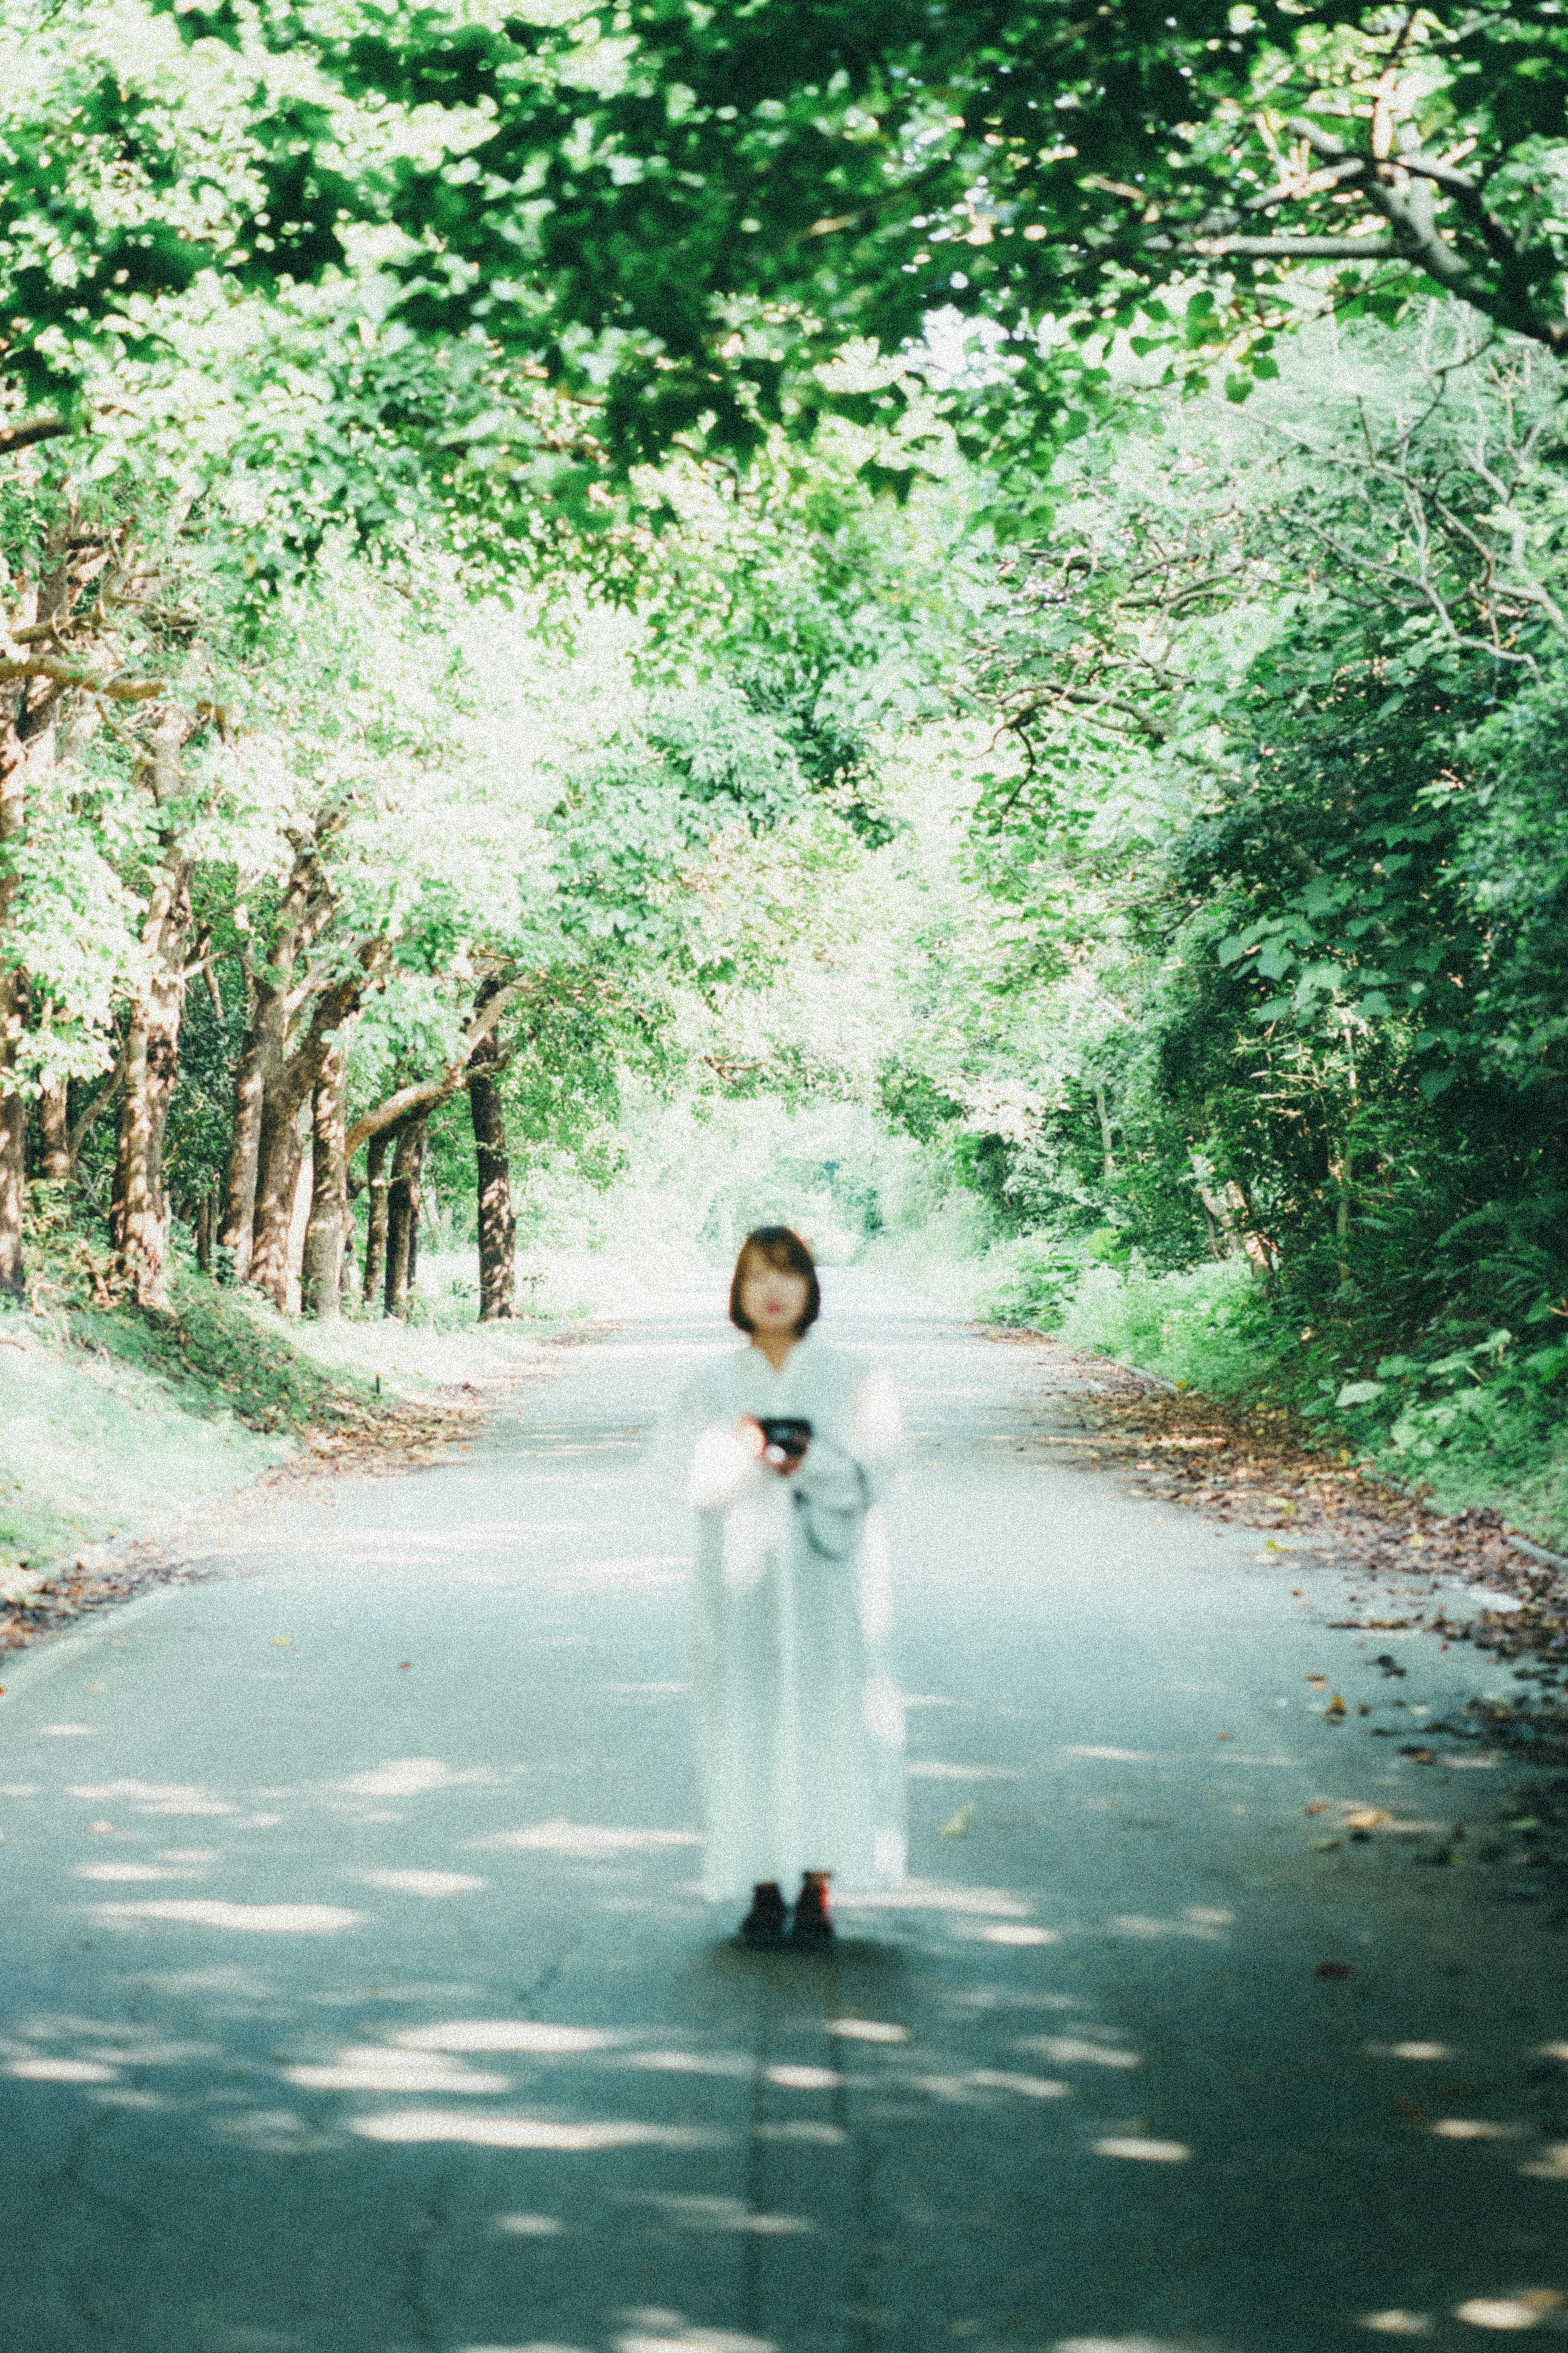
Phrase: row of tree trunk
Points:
(266, 1157)
(305, 984)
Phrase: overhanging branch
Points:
(1304, 248)
(28, 430)
(114, 688)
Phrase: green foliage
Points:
(673, 217)
(219, 1355)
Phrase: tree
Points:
(670, 222)
(1263, 952)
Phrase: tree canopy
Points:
(666, 215)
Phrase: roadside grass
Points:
(111, 1417)
(1464, 1420)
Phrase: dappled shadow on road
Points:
(925, 2135)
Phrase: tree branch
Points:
(28, 430)
(426, 1093)
(64, 674)
(99, 1103)
(1306, 248)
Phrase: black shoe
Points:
(764, 1923)
(813, 1924)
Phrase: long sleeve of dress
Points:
(722, 1467)
(877, 1434)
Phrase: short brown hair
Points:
(782, 1248)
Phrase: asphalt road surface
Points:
(357, 1996)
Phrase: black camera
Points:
(785, 1441)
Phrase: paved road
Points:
(357, 1997)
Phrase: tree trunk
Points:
(1107, 1154)
(205, 1223)
(287, 1086)
(403, 1216)
(29, 712)
(239, 1216)
(54, 1134)
(320, 1275)
(12, 1147)
(139, 1212)
(498, 1225)
(102, 1099)
(375, 1203)
(14, 996)
(278, 1174)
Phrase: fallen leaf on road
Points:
(1333, 1969)
(1222, 1735)
(1408, 2109)
(1324, 1846)
(283, 1642)
(958, 1825)
(1319, 1805)
(1335, 1708)
(403, 1662)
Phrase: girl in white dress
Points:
(793, 1445)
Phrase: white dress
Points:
(799, 1725)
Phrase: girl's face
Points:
(772, 1298)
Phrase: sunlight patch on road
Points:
(676, 2334)
(530, 2034)
(1552, 2165)
(412, 1776)
(1072, 2051)
(589, 1840)
(424, 1883)
(691, 2212)
(739, 2065)
(1399, 2323)
(123, 1871)
(379, 2067)
(991, 2079)
(1115, 2345)
(1154, 2152)
(158, 1797)
(867, 2030)
(1527, 2310)
(938, 1895)
(409, 2125)
(1013, 1933)
(1112, 1756)
(530, 2226)
(255, 1919)
(1137, 1924)
(61, 2071)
